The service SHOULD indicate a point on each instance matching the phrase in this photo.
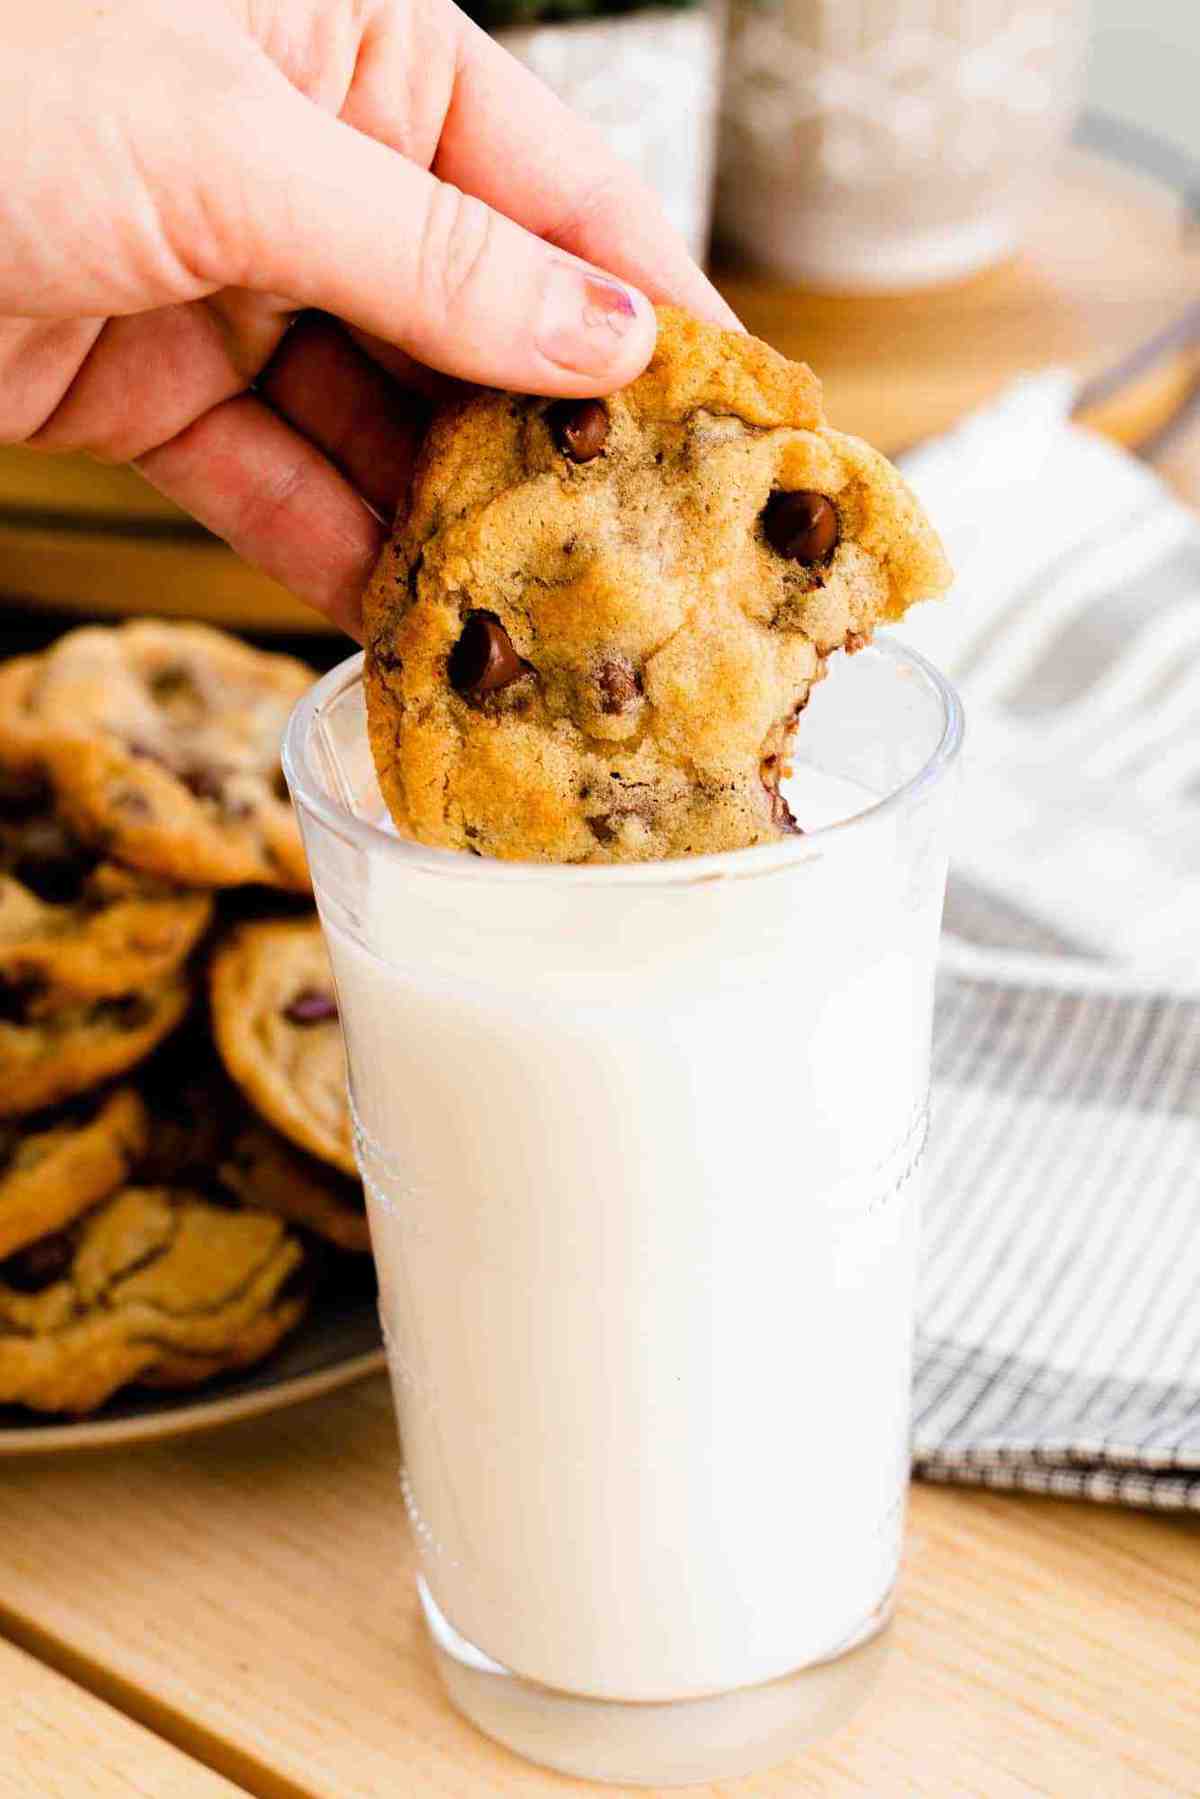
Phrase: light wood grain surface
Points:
(249, 1597)
(58, 1742)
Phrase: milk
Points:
(642, 1151)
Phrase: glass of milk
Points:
(642, 1150)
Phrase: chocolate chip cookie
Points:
(46, 1057)
(594, 630)
(74, 926)
(275, 1022)
(54, 1168)
(162, 741)
(265, 1170)
(155, 1285)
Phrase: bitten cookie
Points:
(46, 1057)
(162, 741)
(155, 1285)
(75, 927)
(54, 1168)
(595, 627)
(275, 1022)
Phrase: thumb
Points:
(338, 221)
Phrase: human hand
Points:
(182, 177)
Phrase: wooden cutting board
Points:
(1109, 266)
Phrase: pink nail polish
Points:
(607, 303)
(584, 317)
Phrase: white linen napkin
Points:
(1059, 1319)
(1074, 635)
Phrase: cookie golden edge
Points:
(67, 1168)
(232, 983)
(64, 1352)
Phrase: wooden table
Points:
(247, 1598)
(57, 1740)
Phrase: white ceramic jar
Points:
(891, 143)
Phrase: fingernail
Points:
(586, 318)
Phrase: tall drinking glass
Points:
(641, 1147)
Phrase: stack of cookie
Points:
(161, 1201)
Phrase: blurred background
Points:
(1144, 66)
(923, 198)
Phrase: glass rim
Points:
(760, 859)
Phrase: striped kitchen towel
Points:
(1059, 1314)
(1059, 1340)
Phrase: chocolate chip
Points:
(22, 796)
(14, 1003)
(632, 800)
(128, 1013)
(205, 782)
(782, 816)
(771, 769)
(312, 1005)
(619, 683)
(39, 1264)
(483, 660)
(580, 428)
(801, 526)
(146, 752)
(178, 692)
(220, 1198)
(167, 683)
(208, 783)
(57, 880)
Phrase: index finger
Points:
(507, 139)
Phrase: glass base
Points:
(679, 1743)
